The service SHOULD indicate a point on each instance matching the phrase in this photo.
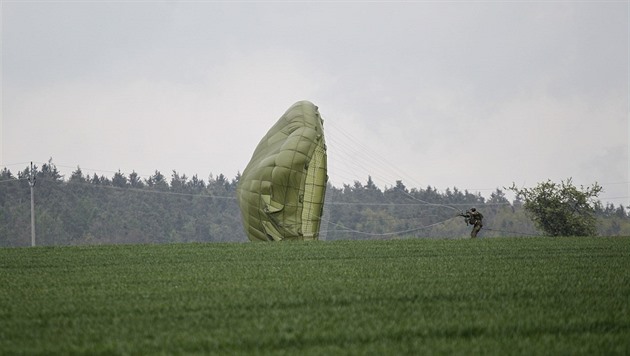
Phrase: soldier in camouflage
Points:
(474, 218)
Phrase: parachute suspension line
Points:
(427, 203)
(355, 161)
(354, 156)
(347, 229)
(325, 217)
(368, 159)
(350, 159)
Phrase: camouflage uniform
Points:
(475, 219)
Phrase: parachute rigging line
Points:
(359, 158)
(347, 229)
(427, 203)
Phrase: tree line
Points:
(94, 209)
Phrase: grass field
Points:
(487, 296)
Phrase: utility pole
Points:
(31, 182)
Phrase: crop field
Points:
(416, 296)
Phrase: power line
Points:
(357, 162)
(342, 229)
(148, 190)
(12, 180)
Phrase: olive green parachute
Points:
(281, 191)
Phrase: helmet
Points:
(473, 209)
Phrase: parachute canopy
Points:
(281, 191)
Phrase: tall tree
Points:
(77, 176)
(119, 180)
(135, 181)
(157, 181)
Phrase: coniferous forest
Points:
(126, 208)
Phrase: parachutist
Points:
(474, 218)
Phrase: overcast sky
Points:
(474, 95)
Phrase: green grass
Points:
(496, 296)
